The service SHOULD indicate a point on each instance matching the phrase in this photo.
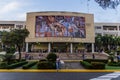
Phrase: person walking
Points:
(58, 63)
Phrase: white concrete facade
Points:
(107, 28)
(8, 25)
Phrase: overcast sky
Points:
(15, 10)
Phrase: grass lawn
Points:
(112, 67)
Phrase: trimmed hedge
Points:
(86, 64)
(93, 65)
(98, 65)
(15, 65)
(51, 57)
(96, 60)
(3, 65)
(42, 60)
(114, 64)
(46, 65)
(30, 64)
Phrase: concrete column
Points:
(118, 34)
(26, 46)
(92, 47)
(71, 48)
(49, 47)
(102, 30)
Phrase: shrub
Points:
(51, 57)
(93, 65)
(114, 64)
(15, 65)
(96, 60)
(98, 65)
(42, 60)
(30, 64)
(22, 60)
(46, 65)
(3, 65)
(86, 64)
(8, 58)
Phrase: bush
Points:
(93, 65)
(42, 60)
(96, 60)
(15, 65)
(22, 60)
(51, 57)
(114, 64)
(86, 64)
(30, 64)
(98, 65)
(3, 65)
(46, 65)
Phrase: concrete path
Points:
(72, 65)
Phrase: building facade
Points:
(107, 28)
(9, 25)
(61, 40)
(59, 31)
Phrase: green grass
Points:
(112, 67)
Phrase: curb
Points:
(72, 60)
(61, 70)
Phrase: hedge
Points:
(30, 64)
(114, 64)
(15, 65)
(46, 65)
(3, 65)
(96, 60)
(93, 65)
(86, 64)
(51, 57)
(98, 65)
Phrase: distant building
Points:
(107, 28)
(9, 25)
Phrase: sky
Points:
(15, 10)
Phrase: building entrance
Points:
(59, 47)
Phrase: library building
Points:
(60, 32)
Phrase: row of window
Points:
(10, 26)
(107, 27)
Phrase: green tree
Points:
(108, 3)
(98, 42)
(15, 37)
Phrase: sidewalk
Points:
(72, 65)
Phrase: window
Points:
(97, 27)
(19, 26)
(109, 27)
(6, 26)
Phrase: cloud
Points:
(5, 9)
(21, 16)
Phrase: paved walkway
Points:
(72, 65)
(68, 56)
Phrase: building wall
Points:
(107, 28)
(8, 25)
(89, 26)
